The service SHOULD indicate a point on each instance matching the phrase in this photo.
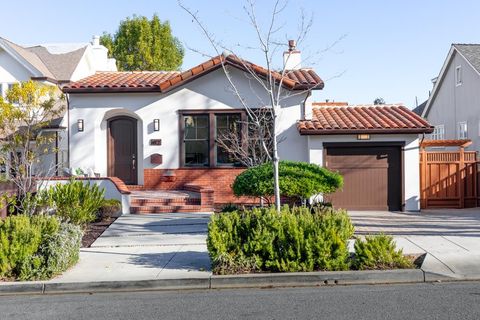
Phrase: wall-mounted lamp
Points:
(363, 136)
(156, 124)
(80, 125)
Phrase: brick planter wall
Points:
(218, 179)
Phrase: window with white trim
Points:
(462, 130)
(458, 76)
(438, 132)
(4, 87)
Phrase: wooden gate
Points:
(448, 179)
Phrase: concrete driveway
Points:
(146, 247)
(450, 237)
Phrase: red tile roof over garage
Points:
(363, 119)
(162, 81)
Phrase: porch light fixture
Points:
(80, 125)
(364, 136)
(156, 124)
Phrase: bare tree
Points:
(24, 143)
(262, 144)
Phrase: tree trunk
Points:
(276, 180)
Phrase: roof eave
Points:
(111, 90)
(364, 131)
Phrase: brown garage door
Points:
(372, 177)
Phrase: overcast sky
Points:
(390, 49)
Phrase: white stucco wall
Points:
(410, 154)
(11, 70)
(88, 149)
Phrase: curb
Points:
(317, 278)
(213, 282)
(267, 280)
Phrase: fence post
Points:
(461, 171)
(423, 179)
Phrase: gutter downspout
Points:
(68, 130)
(304, 108)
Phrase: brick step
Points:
(135, 187)
(168, 209)
(164, 201)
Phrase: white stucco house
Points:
(55, 65)
(156, 132)
(453, 107)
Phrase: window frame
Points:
(212, 154)
(458, 76)
(435, 135)
(459, 126)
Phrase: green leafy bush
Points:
(379, 252)
(37, 247)
(297, 180)
(74, 201)
(230, 207)
(57, 253)
(292, 240)
(109, 208)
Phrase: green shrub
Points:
(20, 239)
(75, 201)
(57, 253)
(109, 208)
(292, 240)
(297, 180)
(230, 207)
(37, 247)
(379, 252)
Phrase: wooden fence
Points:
(448, 179)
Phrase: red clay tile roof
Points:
(363, 119)
(162, 81)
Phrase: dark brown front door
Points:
(122, 149)
(372, 177)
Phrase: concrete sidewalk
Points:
(146, 247)
(450, 237)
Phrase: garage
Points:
(375, 149)
(372, 176)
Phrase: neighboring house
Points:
(56, 65)
(157, 131)
(454, 104)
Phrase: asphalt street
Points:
(459, 300)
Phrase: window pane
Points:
(196, 140)
(202, 133)
(201, 121)
(190, 133)
(196, 153)
(228, 130)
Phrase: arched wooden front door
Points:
(122, 149)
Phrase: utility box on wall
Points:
(156, 158)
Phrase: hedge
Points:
(293, 240)
(37, 247)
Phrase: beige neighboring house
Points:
(454, 104)
(52, 64)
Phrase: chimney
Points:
(95, 41)
(292, 58)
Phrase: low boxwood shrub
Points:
(379, 252)
(109, 208)
(298, 180)
(30, 245)
(292, 240)
(75, 201)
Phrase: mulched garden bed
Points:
(95, 230)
